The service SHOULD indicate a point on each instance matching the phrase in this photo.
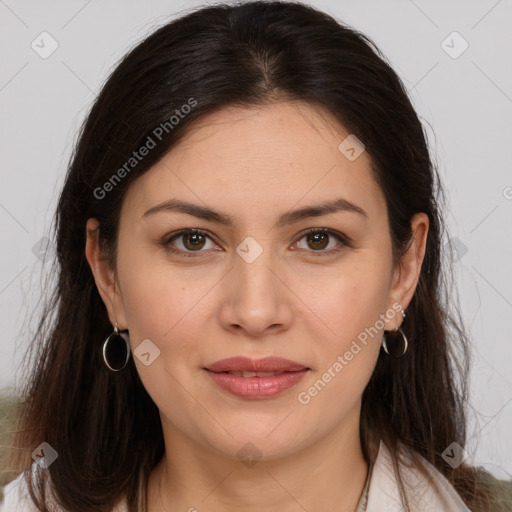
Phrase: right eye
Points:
(192, 241)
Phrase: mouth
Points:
(256, 378)
(262, 366)
(253, 374)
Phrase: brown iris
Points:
(320, 240)
(196, 239)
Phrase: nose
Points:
(257, 298)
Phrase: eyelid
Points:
(341, 237)
(167, 240)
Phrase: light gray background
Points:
(466, 100)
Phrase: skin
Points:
(254, 165)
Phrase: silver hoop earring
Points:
(116, 350)
(396, 351)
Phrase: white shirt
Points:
(383, 492)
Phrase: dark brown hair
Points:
(104, 424)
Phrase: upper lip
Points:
(246, 364)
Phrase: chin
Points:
(250, 443)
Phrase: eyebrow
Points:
(202, 212)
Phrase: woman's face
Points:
(253, 283)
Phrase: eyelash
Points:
(344, 241)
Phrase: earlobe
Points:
(104, 274)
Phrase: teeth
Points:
(255, 374)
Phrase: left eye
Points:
(318, 239)
(194, 240)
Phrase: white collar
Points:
(384, 493)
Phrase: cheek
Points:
(346, 356)
(161, 305)
(350, 300)
(159, 298)
(350, 304)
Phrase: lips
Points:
(256, 378)
(245, 364)
(254, 374)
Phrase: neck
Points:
(328, 475)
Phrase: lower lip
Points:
(256, 387)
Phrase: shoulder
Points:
(432, 493)
(16, 498)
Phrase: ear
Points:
(104, 276)
(407, 273)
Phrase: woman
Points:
(250, 311)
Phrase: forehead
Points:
(265, 158)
